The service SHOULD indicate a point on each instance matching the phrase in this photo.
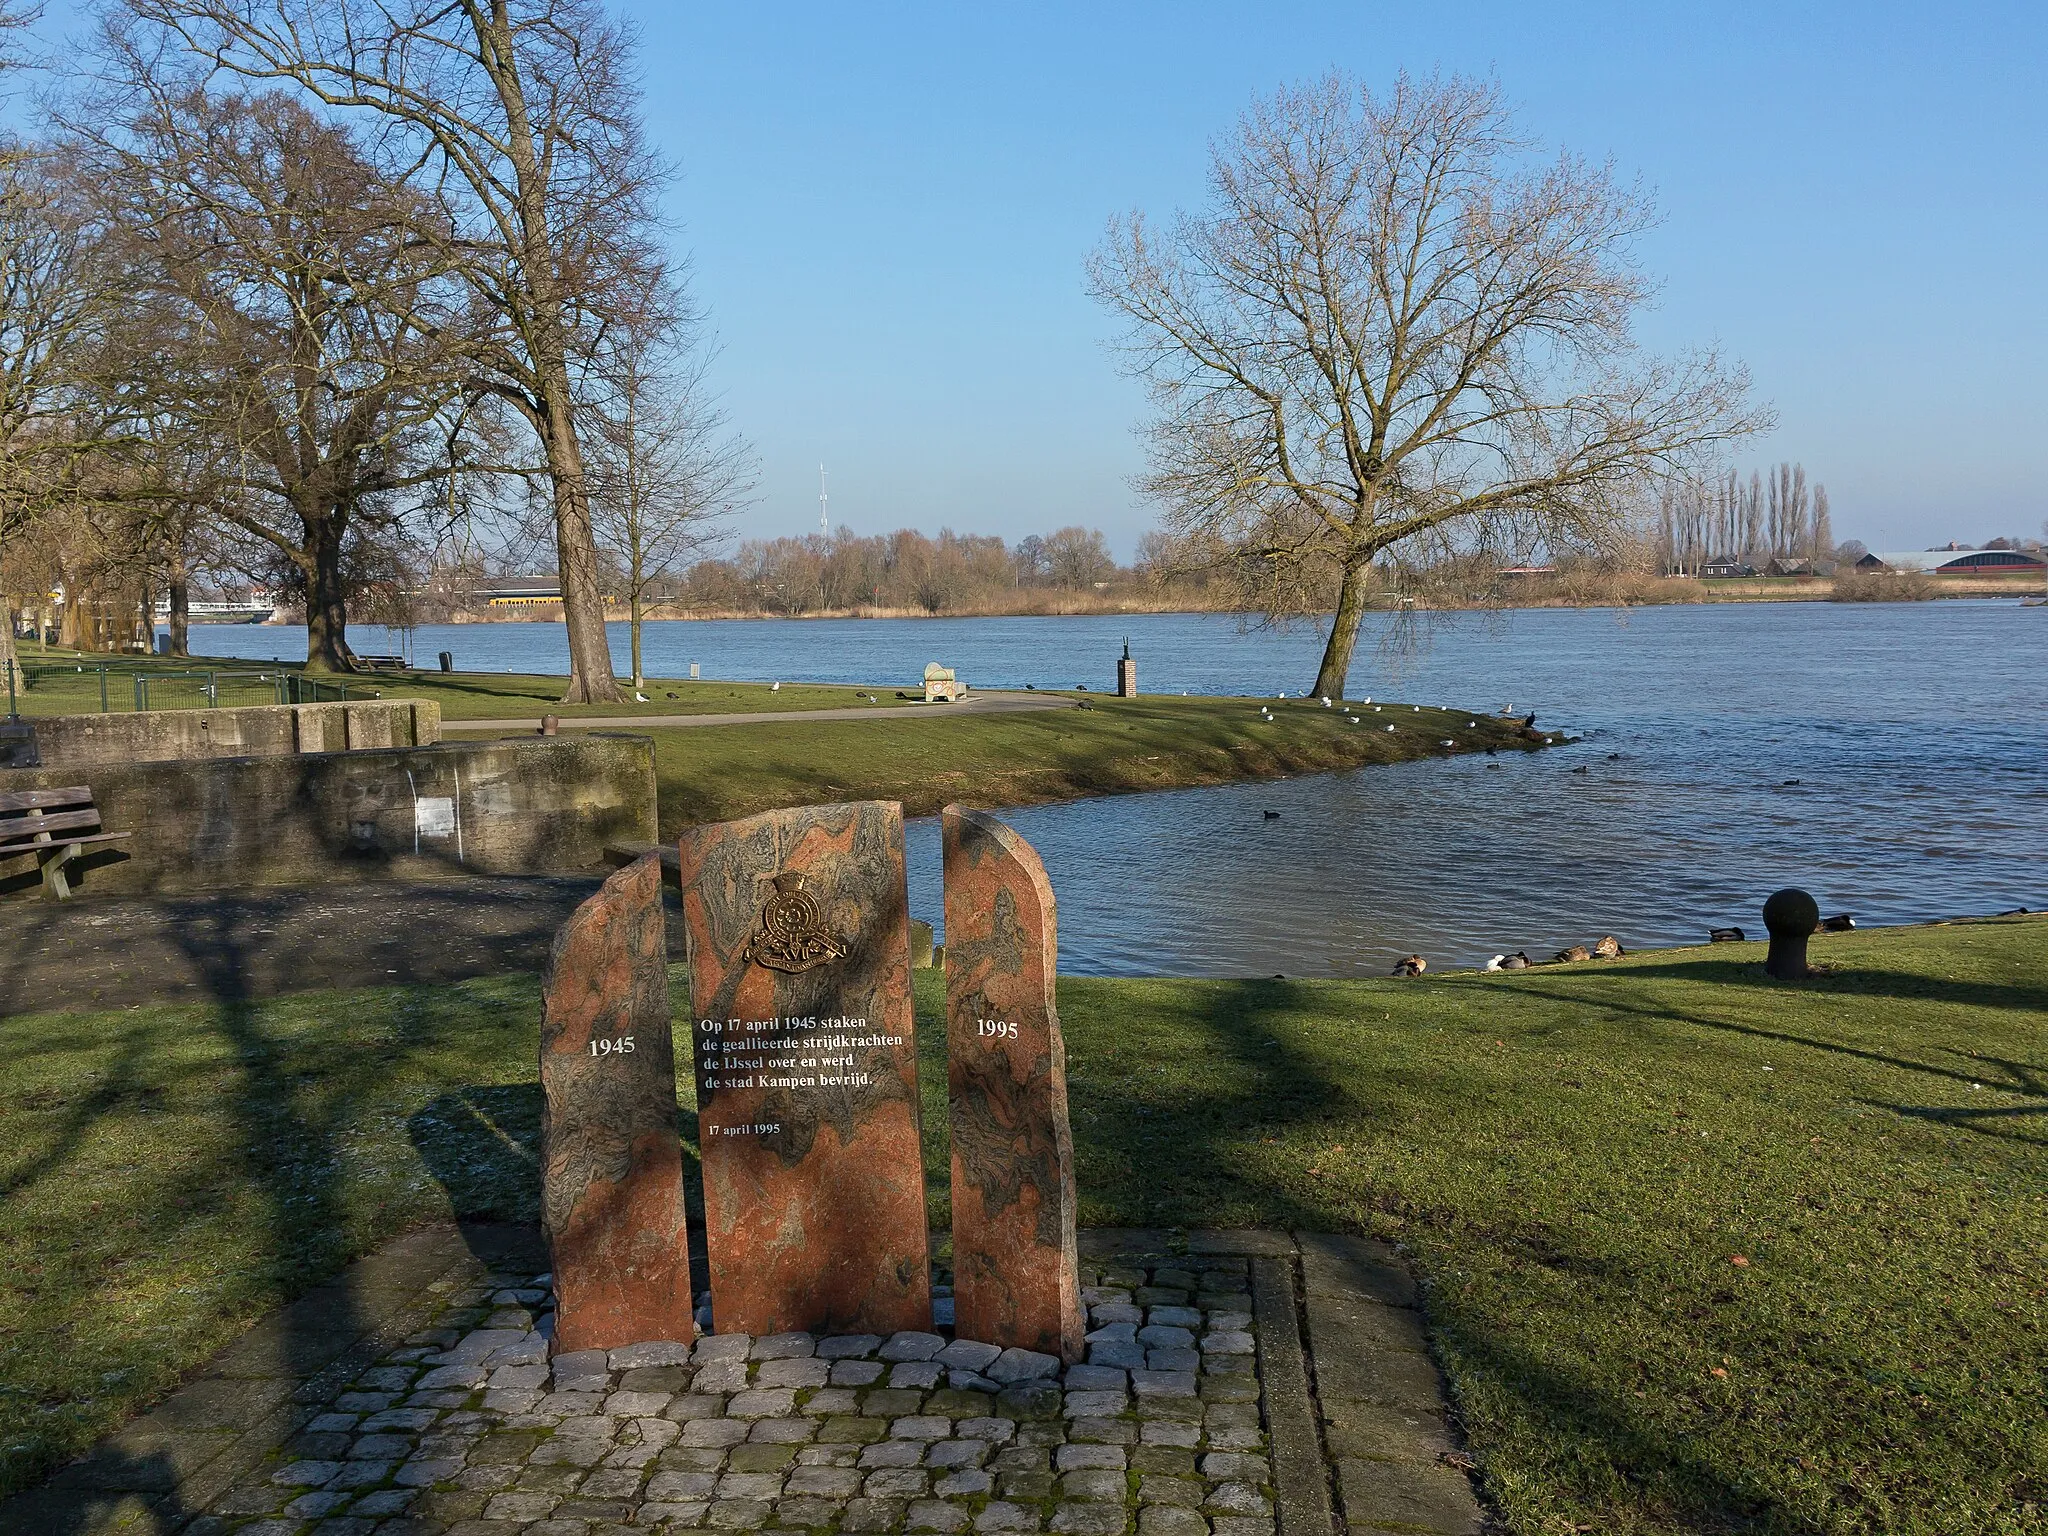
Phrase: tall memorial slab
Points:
(1015, 1277)
(806, 1052)
(612, 1167)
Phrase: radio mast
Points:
(824, 521)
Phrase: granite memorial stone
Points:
(798, 929)
(1014, 1266)
(612, 1169)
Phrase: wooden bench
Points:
(52, 825)
(382, 663)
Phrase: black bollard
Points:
(1791, 915)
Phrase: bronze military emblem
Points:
(793, 934)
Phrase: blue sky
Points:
(887, 207)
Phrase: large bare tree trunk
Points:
(180, 584)
(10, 664)
(74, 627)
(1344, 624)
(326, 599)
(591, 679)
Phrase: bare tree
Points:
(1786, 491)
(521, 119)
(1389, 327)
(57, 291)
(1749, 544)
(1820, 544)
(286, 317)
(1077, 557)
(665, 468)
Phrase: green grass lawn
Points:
(1574, 1157)
(1151, 742)
(61, 688)
(1156, 741)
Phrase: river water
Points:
(1917, 735)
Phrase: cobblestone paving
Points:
(470, 1429)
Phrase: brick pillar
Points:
(1126, 676)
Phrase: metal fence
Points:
(114, 686)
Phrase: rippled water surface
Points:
(1915, 733)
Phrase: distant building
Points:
(1956, 562)
(1726, 568)
(1780, 566)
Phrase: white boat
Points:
(219, 613)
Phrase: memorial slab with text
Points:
(805, 1047)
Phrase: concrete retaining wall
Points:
(264, 730)
(513, 807)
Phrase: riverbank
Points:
(1699, 1251)
(1100, 746)
(1002, 749)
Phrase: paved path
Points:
(260, 942)
(973, 704)
(1238, 1384)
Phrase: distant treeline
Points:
(907, 571)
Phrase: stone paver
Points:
(461, 1426)
(1379, 1394)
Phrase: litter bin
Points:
(447, 661)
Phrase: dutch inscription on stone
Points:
(612, 1171)
(1015, 1273)
(806, 1060)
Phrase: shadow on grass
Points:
(482, 1144)
(1168, 1157)
(1849, 981)
(1656, 1465)
(1154, 1155)
(281, 1166)
(286, 1136)
(125, 1080)
(2025, 1078)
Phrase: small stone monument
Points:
(1792, 916)
(807, 1071)
(1127, 675)
(940, 685)
(1015, 1277)
(611, 1163)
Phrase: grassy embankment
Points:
(1116, 745)
(1157, 741)
(1701, 1252)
